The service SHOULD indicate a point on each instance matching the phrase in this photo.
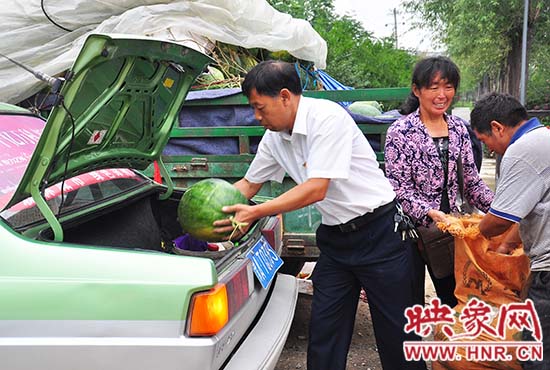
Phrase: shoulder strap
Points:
(460, 178)
(460, 174)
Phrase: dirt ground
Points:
(362, 353)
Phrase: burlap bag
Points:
(491, 277)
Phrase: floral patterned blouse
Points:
(414, 168)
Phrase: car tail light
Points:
(212, 310)
(209, 311)
(273, 232)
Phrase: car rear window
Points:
(80, 192)
(19, 135)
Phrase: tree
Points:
(538, 93)
(484, 37)
(355, 57)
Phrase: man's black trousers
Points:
(373, 257)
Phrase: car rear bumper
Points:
(263, 346)
(260, 349)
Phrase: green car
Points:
(91, 279)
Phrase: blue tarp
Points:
(329, 83)
(237, 115)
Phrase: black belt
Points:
(358, 222)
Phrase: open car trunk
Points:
(142, 223)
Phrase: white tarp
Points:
(29, 37)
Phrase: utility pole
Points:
(395, 26)
(524, 53)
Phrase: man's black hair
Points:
(270, 77)
(499, 107)
(423, 74)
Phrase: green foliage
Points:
(463, 104)
(355, 57)
(484, 39)
(538, 92)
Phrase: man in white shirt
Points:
(317, 143)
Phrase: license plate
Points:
(265, 261)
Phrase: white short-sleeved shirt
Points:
(325, 143)
(523, 190)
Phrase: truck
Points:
(202, 148)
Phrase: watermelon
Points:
(202, 204)
(369, 108)
(212, 75)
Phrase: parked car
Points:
(90, 280)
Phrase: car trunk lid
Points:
(115, 109)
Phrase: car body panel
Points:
(263, 346)
(10, 108)
(174, 353)
(62, 279)
(79, 305)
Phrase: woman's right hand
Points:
(438, 216)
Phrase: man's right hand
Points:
(243, 216)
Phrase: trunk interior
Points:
(145, 223)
